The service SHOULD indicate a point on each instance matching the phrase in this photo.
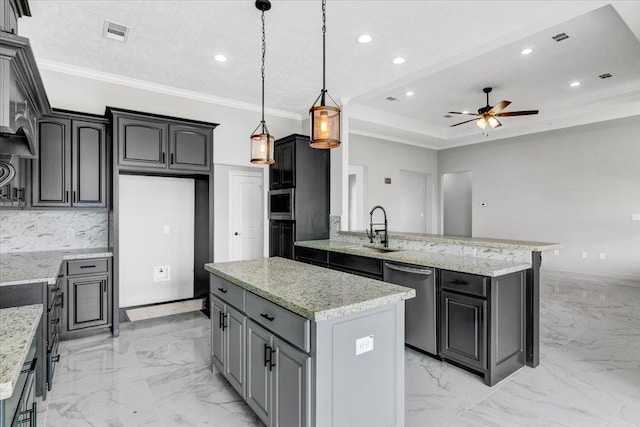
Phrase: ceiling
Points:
(452, 49)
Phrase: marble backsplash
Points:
(33, 230)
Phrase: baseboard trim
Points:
(151, 311)
(612, 278)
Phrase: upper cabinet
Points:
(148, 142)
(71, 167)
(283, 170)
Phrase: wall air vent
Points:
(115, 31)
(391, 98)
(605, 76)
(560, 37)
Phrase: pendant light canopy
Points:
(325, 119)
(261, 139)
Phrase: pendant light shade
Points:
(261, 140)
(324, 119)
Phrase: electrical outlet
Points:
(364, 345)
(603, 255)
(161, 273)
(584, 254)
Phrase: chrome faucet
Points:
(371, 233)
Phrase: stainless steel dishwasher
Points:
(420, 312)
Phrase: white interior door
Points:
(457, 192)
(246, 215)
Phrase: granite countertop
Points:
(18, 327)
(19, 268)
(467, 241)
(315, 293)
(465, 264)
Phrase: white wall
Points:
(385, 159)
(577, 186)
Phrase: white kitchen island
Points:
(308, 346)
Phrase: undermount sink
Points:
(381, 249)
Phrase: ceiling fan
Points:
(487, 114)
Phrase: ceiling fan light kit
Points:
(488, 114)
(262, 141)
(324, 119)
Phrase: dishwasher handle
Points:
(402, 268)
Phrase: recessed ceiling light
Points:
(574, 84)
(465, 112)
(409, 93)
(220, 58)
(399, 60)
(526, 51)
(364, 38)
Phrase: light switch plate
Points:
(364, 345)
(161, 273)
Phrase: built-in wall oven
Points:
(282, 204)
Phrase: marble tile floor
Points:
(157, 373)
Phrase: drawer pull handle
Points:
(460, 282)
(268, 317)
(87, 266)
(60, 304)
(55, 321)
(223, 290)
(55, 359)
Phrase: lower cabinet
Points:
(463, 334)
(20, 410)
(228, 343)
(277, 378)
(281, 237)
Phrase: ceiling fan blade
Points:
(461, 123)
(517, 113)
(466, 114)
(499, 107)
(498, 125)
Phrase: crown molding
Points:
(59, 67)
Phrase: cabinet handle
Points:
(21, 194)
(55, 321)
(31, 414)
(104, 286)
(172, 158)
(224, 321)
(164, 158)
(220, 320)
(74, 196)
(272, 359)
(55, 359)
(61, 301)
(223, 290)
(459, 282)
(267, 356)
(268, 317)
(88, 266)
(66, 196)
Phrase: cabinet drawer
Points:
(279, 320)
(314, 256)
(53, 292)
(87, 266)
(371, 266)
(227, 291)
(464, 283)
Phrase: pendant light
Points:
(262, 141)
(325, 119)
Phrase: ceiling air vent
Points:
(447, 116)
(391, 98)
(115, 31)
(605, 76)
(560, 37)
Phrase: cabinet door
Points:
(287, 168)
(189, 148)
(274, 238)
(275, 170)
(89, 148)
(463, 335)
(88, 301)
(259, 371)
(234, 355)
(142, 143)
(217, 333)
(291, 386)
(287, 237)
(52, 168)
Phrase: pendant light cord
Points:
(264, 51)
(324, 31)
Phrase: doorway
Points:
(456, 203)
(357, 197)
(415, 203)
(246, 215)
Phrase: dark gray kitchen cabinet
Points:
(51, 181)
(87, 296)
(142, 142)
(482, 322)
(189, 147)
(13, 194)
(277, 379)
(228, 343)
(283, 174)
(354, 264)
(312, 256)
(71, 168)
(281, 238)
(463, 334)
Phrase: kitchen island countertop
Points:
(19, 268)
(315, 293)
(18, 326)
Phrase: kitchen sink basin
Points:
(380, 249)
